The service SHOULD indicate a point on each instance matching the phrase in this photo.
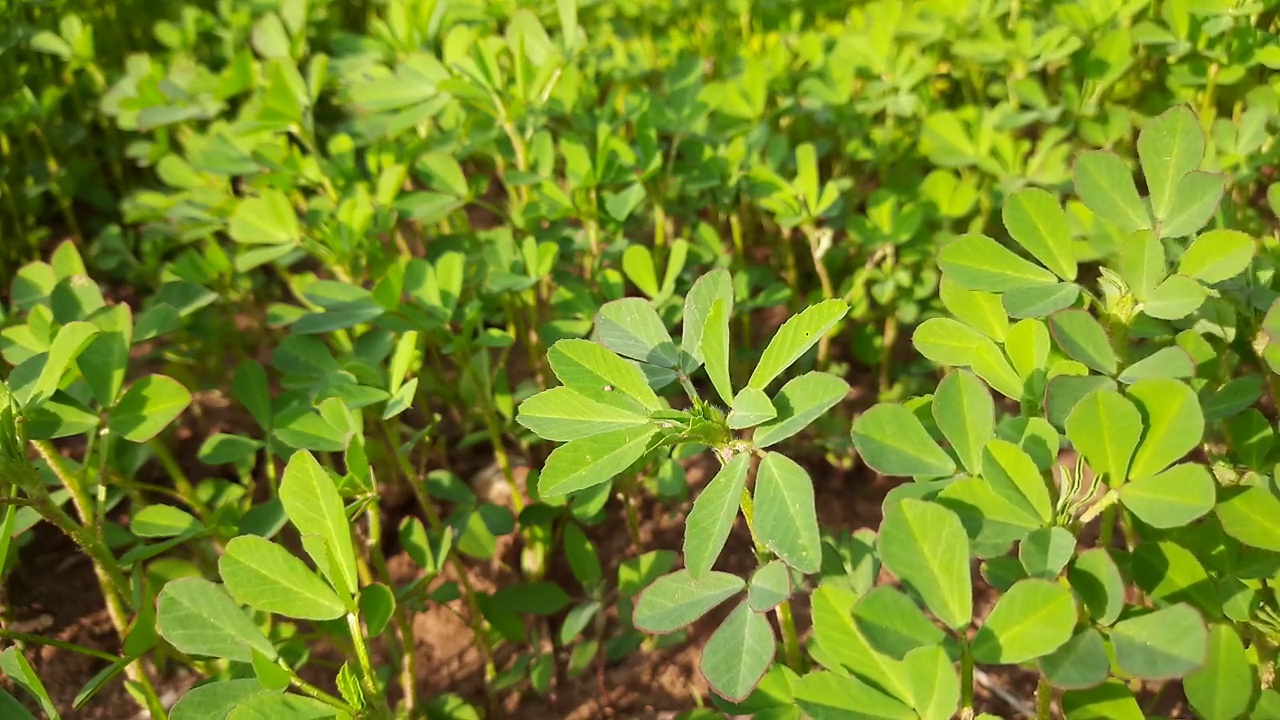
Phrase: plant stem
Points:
(367, 677)
(180, 481)
(1044, 699)
(1099, 507)
(314, 692)
(790, 640)
(111, 581)
(55, 643)
(966, 679)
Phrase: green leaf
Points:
(1217, 256)
(162, 521)
(769, 586)
(839, 644)
(1080, 663)
(269, 674)
(311, 501)
(1040, 300)
(965, 413)
(977, 262)
(104, 361)
(1106, 187)
(1161, 645)
(834, 696)
(150, 404)
(1028, 345)
(1097, 580)
(19, 670)
(1036, 221)
(1169, 146)
(589, 461)
(1174, 424)
(1142, 264)
(925, 546)
(798, 403)
(562, 414)
(631, 327)
(706, 290)
(1223, 688)
(199, 618)
(584, 562)
(1173, 498)
(1082, 338)
(1046, 551)
(215, 699)
(249, 386)
(709, 522)
(637, 263)
(1249, 514)
(715, 349)
(295, 707)
(71, 340)
(1105, 428)
(1031, 620)
(1064, 392)
(534, 598)
(751, 407)
(1112, 700)
(738, 653)
(786, 520)
(1175, 298)
(794, 338)
(1194, 204)
(947, 341)
(268, 219)
(676, 600)
(893, 624)
(1013, 474)
(892, 441)
(597, 374)
(1169, 362)
(935, 684)
(265, 576)
(982, 311)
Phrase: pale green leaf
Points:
(589, 461)
(799, 402)
(597, 374)
(965, 413)
(892, 441)
(1106, 187)
(1105, 428)
(794, 338)
(707, 527)
(786, 519)
(1031, 620)
(738, 653)
(1174, 424)
(313, 505)
(562, 414)
(1035, 220)
(676, 600)
(925, 546)
(632, 328)
(977, 262)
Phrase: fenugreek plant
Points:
(609, 417)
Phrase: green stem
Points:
(1044, 699)
(966, 679)
(180, 481)
(367, 677)
(790, 640)
(1101, 506)
(53, 642)
(312, 691)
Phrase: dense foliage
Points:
(1021, 255)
